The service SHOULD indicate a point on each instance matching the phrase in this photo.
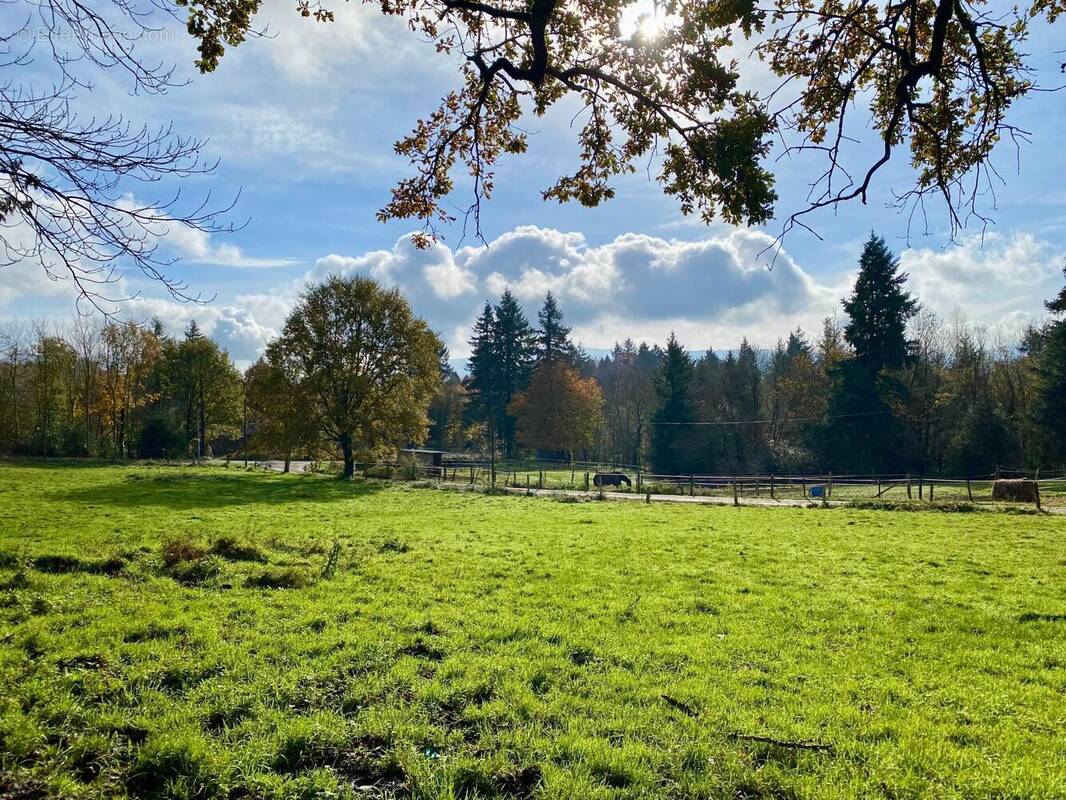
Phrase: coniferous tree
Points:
(553, 338)
(716, 447)
(515, 356)
(671, 451)
(1050, 408)
(863, 432)
(879, 310)
(798, 345)
(482, 366)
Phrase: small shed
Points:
(429, 458)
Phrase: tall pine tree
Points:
(515, 352)
(483, 383)
(1051, 381)
(553, 338)
(863, 433)
(879, 310)
(671, 449)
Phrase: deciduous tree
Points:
(280, 412)
(68, 181)
(208, 388)
(369, 365)
(560, 412)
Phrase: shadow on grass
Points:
(40, 462)
(180, 489)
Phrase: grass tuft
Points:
(278, 578)
(232, 549)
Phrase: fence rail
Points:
(811, 487)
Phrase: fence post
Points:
(388, 471)
(804, 480)
(931, 485)
(1036, 484)
(586, 482)
(736, 499)
(691, 486)
(640, 481)
(909, 495)
(921, 488)
(471, 476)
(969, 490)
(540, 485)
(879, 486)
(772, 496)
(828, 491)
(647, 497)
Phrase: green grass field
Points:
(211, 633)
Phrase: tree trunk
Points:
(202, 421)
(345, 442)
(288, 458)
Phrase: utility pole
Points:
(244, 437)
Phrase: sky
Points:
(303, 122)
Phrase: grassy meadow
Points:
(168, 632)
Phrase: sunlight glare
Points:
(641, 19)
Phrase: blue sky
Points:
(304, 120)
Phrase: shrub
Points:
(409, 468)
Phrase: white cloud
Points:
(242, 328)
(711, 291)
(198, 247)
(1001, 281)
(361, 47)
(607, 291)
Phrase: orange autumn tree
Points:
(560, 410)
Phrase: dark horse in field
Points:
(610, 479)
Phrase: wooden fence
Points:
(812, 487)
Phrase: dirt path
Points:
(711, 500)
(708, 500)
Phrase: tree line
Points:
(890, 387)
(354, 375)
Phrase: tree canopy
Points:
(366, 362)
(937, 79)
(559, 412)
(670, 438)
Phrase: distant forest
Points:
(888, 387)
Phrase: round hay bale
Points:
(1015, 490)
